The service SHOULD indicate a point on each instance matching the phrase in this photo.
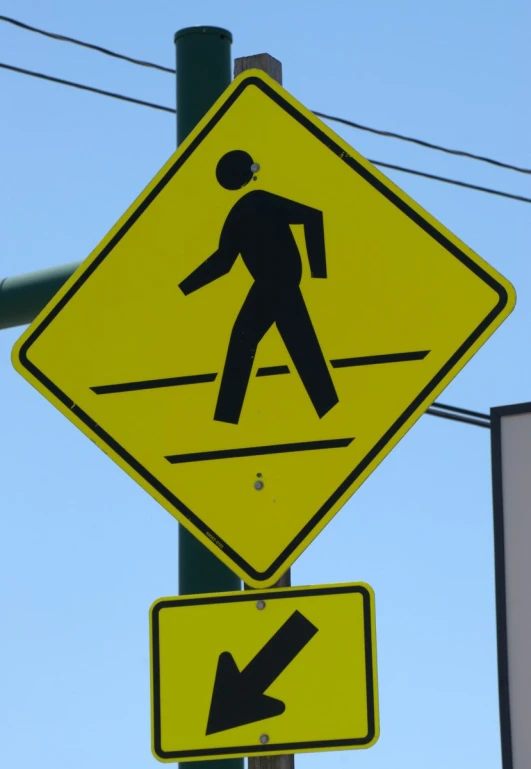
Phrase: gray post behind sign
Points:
(273, 67)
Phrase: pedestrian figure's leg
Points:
(254, 319)
(298, 334)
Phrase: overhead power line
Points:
(344, 121)
(163, 108)
(91, 46)
(90, 88)
(447, 180)
(423, 143)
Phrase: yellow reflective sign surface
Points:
(261, 327)
(264, 673)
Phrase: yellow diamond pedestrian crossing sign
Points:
(261, 327)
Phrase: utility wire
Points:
(423, 143)
(90, 88)
(344, 121)
(447, 180)
(163, 108)
(98, 48)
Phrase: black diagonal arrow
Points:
(238, 697)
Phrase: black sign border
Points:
(424, 395)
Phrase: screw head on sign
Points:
(260, 605)
(259, 485)
(264, 738)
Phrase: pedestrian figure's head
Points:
(235, 170)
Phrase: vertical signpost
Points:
(203, 57)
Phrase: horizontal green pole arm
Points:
(24, 296)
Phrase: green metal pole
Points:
(22, 297)
(203, 73)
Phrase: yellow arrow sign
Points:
(261, 327)
(264, 673)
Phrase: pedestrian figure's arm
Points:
(315, 242)
(312, 219)
(214, 267)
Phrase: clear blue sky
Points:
(83, 550)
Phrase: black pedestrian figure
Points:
(258, 229)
